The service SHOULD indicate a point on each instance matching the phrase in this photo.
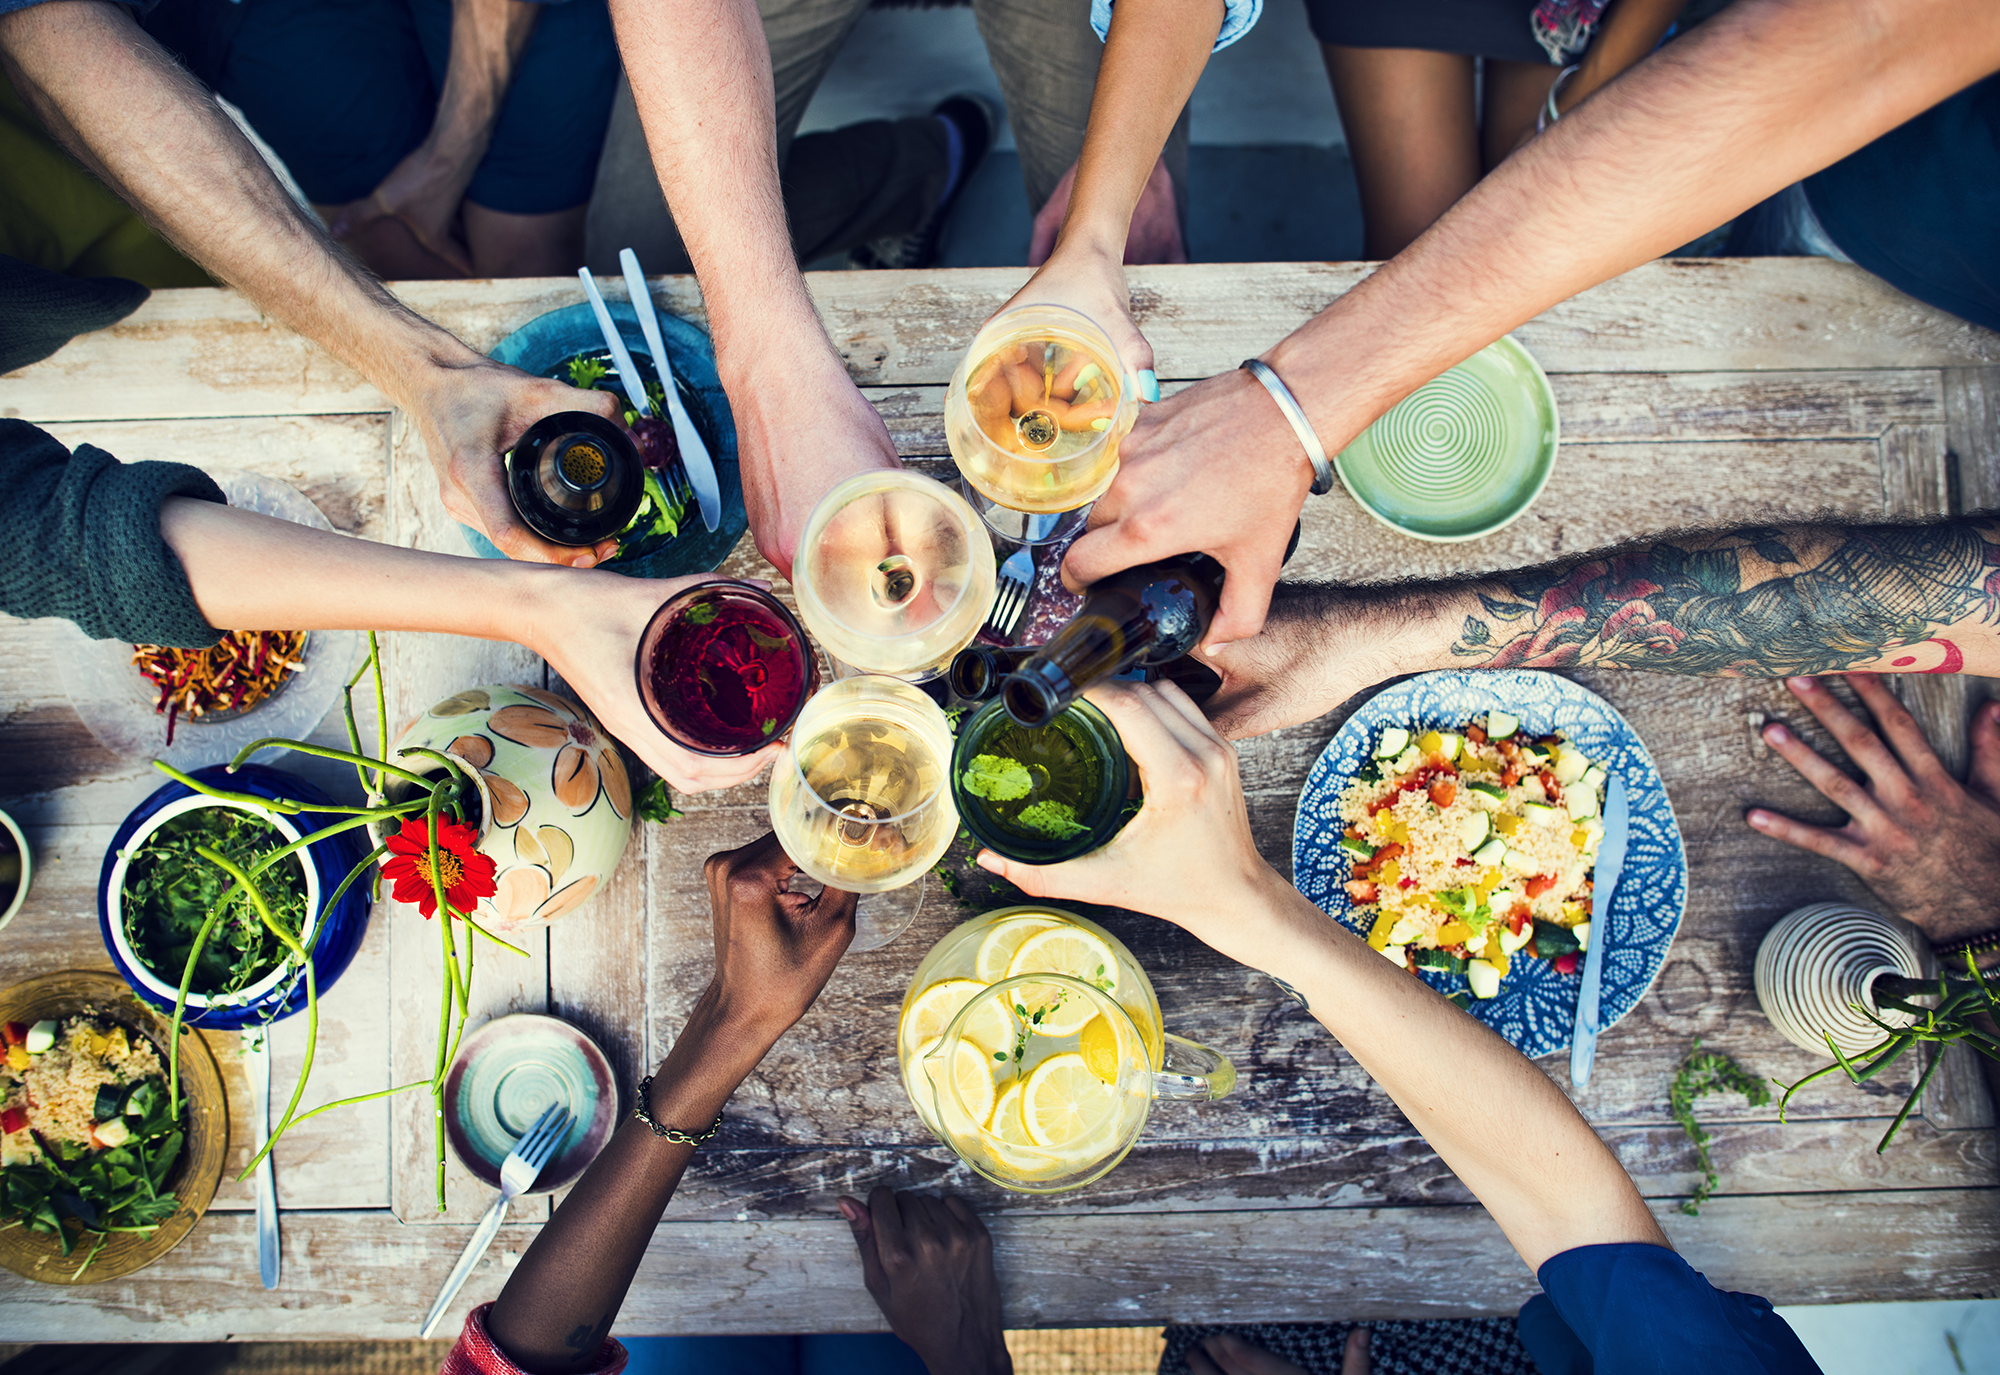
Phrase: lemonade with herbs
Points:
(1029, 1042)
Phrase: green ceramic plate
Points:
(1462, 455)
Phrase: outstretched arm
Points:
(773, 952)
(1505, 1130)
(701, 79)
(1764, 602)
(1759, 96)
(128, 111)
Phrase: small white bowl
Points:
(27, 868)
(136, 969)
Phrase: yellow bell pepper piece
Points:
(1453, 932)
(1378, 934)
(17, 1057)
(1506, 823)
(1388, 874)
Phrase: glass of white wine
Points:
(861, 799)
(895, 574)
(1034, 417)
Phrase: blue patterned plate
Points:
(1536, 1009)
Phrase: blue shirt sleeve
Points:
(1238, 18)
(1635, 1309)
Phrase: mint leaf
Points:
(998, 779)
(1057, 820)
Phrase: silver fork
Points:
(1010, 595)
(518, 1173)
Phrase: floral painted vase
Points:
(557, 799)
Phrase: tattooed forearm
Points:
(1755, 603)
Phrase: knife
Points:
(621, 357)
(694, 454)
(257, 1069)
(1610, 864)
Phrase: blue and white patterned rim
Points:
(1536, 1009)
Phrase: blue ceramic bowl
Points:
(545, 345)
(281, 994)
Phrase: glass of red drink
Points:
(723, 668)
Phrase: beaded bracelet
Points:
(1982, 944)
(643, 1110)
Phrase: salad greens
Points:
(169, 891)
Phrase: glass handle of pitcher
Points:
(1192, 1072)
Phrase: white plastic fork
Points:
(518, 1173)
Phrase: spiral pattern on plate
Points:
(1445, 441)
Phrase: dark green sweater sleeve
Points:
(80, 539)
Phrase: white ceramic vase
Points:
(1820, 961)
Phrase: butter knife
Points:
(694, 454)
(621, 357)
(257, 1069)
(1610, 865)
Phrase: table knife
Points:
(694, 454)
(1610, 864)
(257, 1069)
(621, 357)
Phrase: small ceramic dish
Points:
(77, 992)
(14, 857)
(506, 1073)
(116, 703)
(1462, 455)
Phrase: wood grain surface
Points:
(1692, 394)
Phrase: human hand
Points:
(587, 624)
(928, 1264)
(1168, 497)
(1153, 236)
(774, 949)
(1319, 646)
(1092, 284)
(470, 411)
(801, 427)
(424, 193)
(1188, 856)
(1928, 845)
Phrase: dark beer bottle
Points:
(1142, 618)
(978, 670)
(576, 478)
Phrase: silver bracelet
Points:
(1302, 427)
(1549, 113)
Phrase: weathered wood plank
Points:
(209, 352)
(1972, 414)
(359, 1275)
(1612, 407)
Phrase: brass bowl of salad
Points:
(99, 1174)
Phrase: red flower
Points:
(466, 874)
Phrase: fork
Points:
(1010, 594)
(518, 1173)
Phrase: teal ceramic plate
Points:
(1462, 455)
(510, 1069)
(545, 345)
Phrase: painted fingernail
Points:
(1775, 733)
(1147, 383)
(1760, 820)
(1802, 684)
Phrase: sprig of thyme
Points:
(1703, 1072)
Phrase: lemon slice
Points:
(1063, 1102)
(931, 1011)
(1098, 1044)
(1068, 950)
(974, 1082)
(1007, 1124)
(996, 951)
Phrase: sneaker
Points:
(977, 119)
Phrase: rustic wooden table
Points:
(1692, 393)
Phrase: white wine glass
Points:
(1034, 417)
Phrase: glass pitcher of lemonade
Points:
(1030, 1043)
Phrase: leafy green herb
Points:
(655, 803)
(761, 640)
(702, 614)
(656, 395)
(769, 725)
(1056, 820)
(998, 779)
(170, 890)
(586, 372)
(1708, 1071)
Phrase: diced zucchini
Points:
(1448, 745)
(1474, 831)
(1593, 778)
(112, 1133)
(41, 1036)
(1409, 759)
(1360, 849)
(1532, 757)
(1509, 942)
(1580, 803)
(1570, 765)
(109, 1096)
(1593, 830)
(1394, 741)
(1519, 862)
(1539, 812)
(1490, 852)
(1487, 794)
(1442, 960)
(1553, 939)
(1405, 930)
(1582, 931)
(1397, 955)
(1500, 725)
(1484, 978)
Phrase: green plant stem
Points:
(354, 726)
(257, 1159)
(504, 945)
(275, 804)
(381, 709)
(180, 1008)
(324, 752)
